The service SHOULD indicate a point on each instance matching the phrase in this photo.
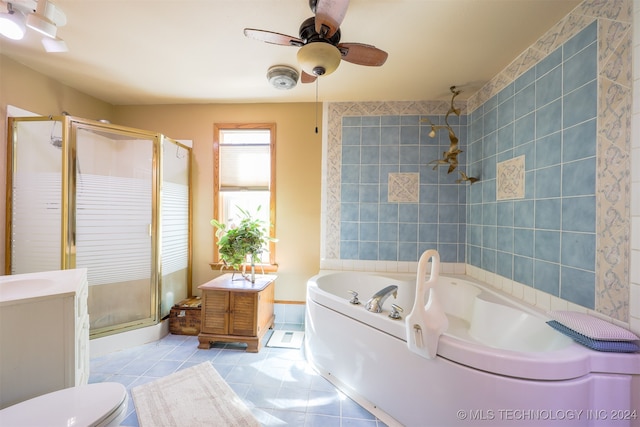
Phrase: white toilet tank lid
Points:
(87, 405)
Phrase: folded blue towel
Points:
(599, 345)
(592, 327)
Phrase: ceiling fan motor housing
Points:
(319, 48)
(309, 34)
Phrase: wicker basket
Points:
(184, 317)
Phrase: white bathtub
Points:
(498, 363)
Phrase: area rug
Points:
(195, 396)
(286, 339)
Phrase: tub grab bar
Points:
(426, 322)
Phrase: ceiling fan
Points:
(41, 16)
(320, 50)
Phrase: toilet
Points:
(100, 404)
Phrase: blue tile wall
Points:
(547, 239)
(372, 228)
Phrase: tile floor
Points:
(276, 383)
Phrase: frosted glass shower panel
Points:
(114, 187)
(112, 199)
(36, 196)
(174, 216)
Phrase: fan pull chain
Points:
(317, 105)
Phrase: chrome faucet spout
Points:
(375, 302)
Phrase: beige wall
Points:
(298, 163)
(24, 88)
(298, 179)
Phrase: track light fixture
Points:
(41, 16)
(41, 20)
(12, 24)
(54, 45)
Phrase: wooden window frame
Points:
(217, 128)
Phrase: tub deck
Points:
(536, 368)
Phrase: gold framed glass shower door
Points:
(109, 198)
(113, 233)
(34, 195)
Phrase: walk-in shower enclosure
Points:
(112, 199)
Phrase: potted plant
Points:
(237, 243)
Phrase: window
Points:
(244, 177)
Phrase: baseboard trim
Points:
(289, 302)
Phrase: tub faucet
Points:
(375, 302)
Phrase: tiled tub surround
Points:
(592, 214)
(605, 230)
(393, 204)
(544, 238)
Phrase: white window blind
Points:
(245, 159)
(244, 167)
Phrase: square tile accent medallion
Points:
(404, 187)
(510, 179)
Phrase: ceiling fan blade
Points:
(272, 37)
(362, 54)
(329, 16)
(307, 78)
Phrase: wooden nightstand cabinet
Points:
(236, 310)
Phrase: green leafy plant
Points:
(250, 238)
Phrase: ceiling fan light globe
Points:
(319, 58)
(12, 25)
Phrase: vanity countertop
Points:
(29, 286)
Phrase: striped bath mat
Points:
(196, 396)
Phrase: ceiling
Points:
(130, 52)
